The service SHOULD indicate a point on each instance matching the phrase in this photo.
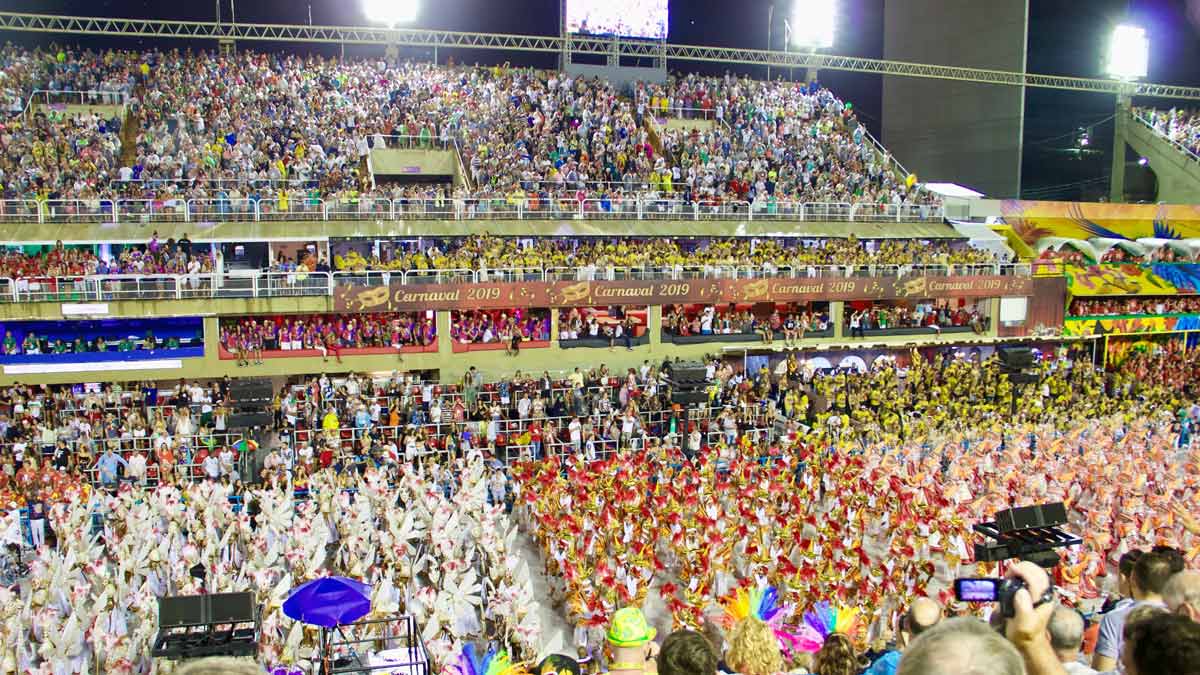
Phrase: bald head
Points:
(961, 646)
(924, 614)
(1066, 632)
(1182, 594)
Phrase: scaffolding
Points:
(563, 45)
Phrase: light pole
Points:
(1128, 61)
(770, 25)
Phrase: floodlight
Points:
(1142, 161)
(812, 24)
(390, 12)
(1128, 53)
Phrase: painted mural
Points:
(1133, 279)
(1124, 325)
(1033, 220)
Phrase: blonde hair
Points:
(753, 648)
(801, 661)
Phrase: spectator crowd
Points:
(481, 252)
(286, 130)
(247, 338)
(931, 314)
(1167, 304)
(1179, 125)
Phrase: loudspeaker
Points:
(251, 393)
(178, 610)
(687, 373)
(246, 420)
(231, 607)
(1030, 517)
(689, 396)
(197, 610)
(1015, 358)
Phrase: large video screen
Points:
(628, 18)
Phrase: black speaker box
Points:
(1029, 517)
(246, 420)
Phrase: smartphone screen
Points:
(976, 590)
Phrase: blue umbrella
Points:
(329, 601)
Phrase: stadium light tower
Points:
(813, 23)
(812, 27)
(1128, 60)
(391, 13)
(1128, 53)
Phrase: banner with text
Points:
(503, 295)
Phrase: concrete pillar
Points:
(835, 317)
(1123, 115)
(445, 342)
(654, 326)
(554, 328)
(212, 344)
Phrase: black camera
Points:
(997, 590)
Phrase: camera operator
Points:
(1150, 575)
(1027, 629)
(968, 646)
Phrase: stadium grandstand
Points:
(372, 361)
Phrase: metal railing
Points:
(102, 288)
(409, 142)
(271, 284)
(301, 207)
(69, 97)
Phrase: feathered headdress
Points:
(763, 604)
(822, 621)
(494, 662)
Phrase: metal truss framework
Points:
(576, 44)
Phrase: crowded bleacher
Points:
(286, 129)
(772, 143)
(1172, 304)
(1179, 125)
(252, 339)
(590, 257)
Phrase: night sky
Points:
(1065, 37)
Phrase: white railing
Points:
(409, 142)
(500, 207)
(91, 97)
(102, 288)
(269, 284)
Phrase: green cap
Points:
(629, 628)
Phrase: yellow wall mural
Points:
(1116, 325)
(1037, 220)
(1132, 279)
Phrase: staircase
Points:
(130, 127)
